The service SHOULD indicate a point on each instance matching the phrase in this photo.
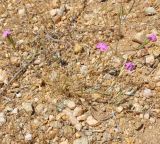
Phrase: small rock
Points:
(52, 134)
(146, 116)
(14, 111)
(150, 11)
(61, 11)
(18, 95)
(53, 12)
(64, 142)
(68, 131)
(96, 96)
(70, 104)
(139, 37)
(72, 119)
(137, 107)
(78, 111)
(2, 119)
(82, 140)
(19, 42)
(21, 12)
(141, 116)
(150, 59)
(82, 117)
(27, 106)
(53, 75)
(15, 60)
(152, 120)
(91, 121)
(78, 48)
(3, 77)
(78, 134)
(147, 92)
(84, 70)
(119, 109)
(28, 137)
(40, 108)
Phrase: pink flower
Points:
(6, 33)
(152, 37)
(102, 46)
(130, 66)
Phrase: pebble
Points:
(15, 60)
(18, 95)
(2, 119)
(70, 104)
(53, 12)
(21, 12)
(150, 11)
(84, 70)
(27, 106)
(152, 120)
(64, 142)
(77, 134)
(91, 121)
(119, 109)
(137, 107)
(14, 111)
(53, 75)
(147, 92)
(61, 11)
(139, 37)
(40, 108)
(68, 131)
(72, 119)
(3, 77)
(146, 116)
(82, 117)
(78, 111)
(52, 134)
(150, 59)
(28, 137)
(78, 48)
(82, 140)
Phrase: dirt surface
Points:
(58, 88)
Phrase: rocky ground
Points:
(58, 88)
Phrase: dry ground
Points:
(56, 60)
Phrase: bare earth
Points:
(56, 87)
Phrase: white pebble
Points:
(3, 77)
(14, 111)
(82, 117)
(21, 12)
(53, 12)
(146, 116)
(150, 59)
(27, 106)
(28, 137)
(91, 121)
(70, 104)
(77, 111)
(119, 109)
(147, 92)
(150, 11)
(18, 95)
(152, 120)
(2, 119)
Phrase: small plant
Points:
(7, 35)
